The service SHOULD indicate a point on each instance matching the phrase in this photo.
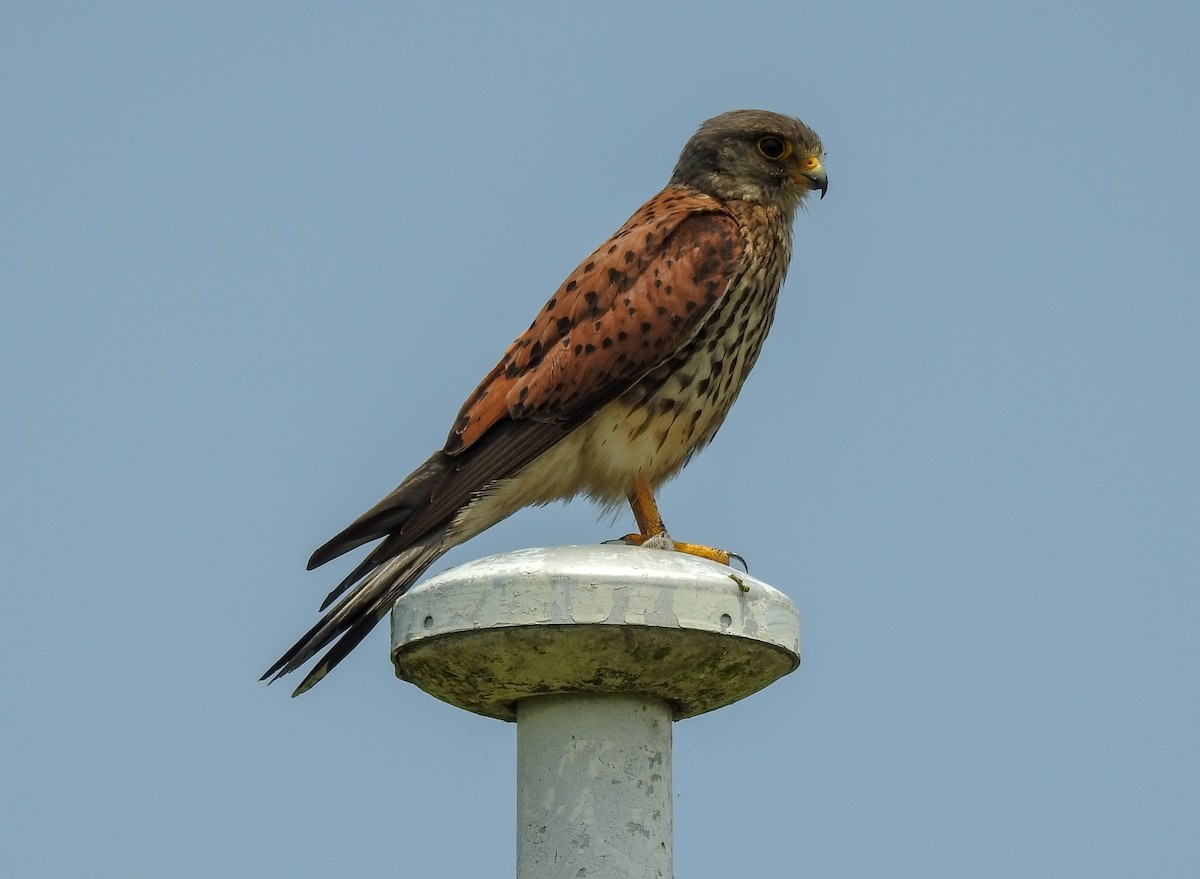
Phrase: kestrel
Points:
(626, 372)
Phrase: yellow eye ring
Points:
(773, 149)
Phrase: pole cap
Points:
(593, 619)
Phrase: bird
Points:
(626, 372)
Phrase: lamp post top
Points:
(593, 619)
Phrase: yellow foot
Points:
(663, 541)
(652, 533)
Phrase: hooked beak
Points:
(816, 179)
(811, 173)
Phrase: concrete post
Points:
(593, 650)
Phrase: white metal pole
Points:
(593, 787)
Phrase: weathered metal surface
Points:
(593, 619)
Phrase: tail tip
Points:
(314, 677)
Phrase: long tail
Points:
(383, 576)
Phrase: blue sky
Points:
(254, 256)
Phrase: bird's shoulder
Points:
(621, 312)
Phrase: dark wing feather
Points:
(387, 515)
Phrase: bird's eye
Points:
(774, 148)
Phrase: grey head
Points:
(753, 155)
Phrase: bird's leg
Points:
(645, 509)
(652, 532)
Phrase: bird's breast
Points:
(677, 408)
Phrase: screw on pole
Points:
(593, 651)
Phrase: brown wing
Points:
(631, 304)
(625, 310)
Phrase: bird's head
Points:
(753, 155)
